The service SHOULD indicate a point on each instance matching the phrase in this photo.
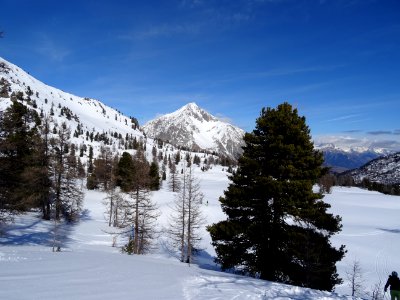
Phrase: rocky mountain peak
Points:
(193, 110)
(194, 128)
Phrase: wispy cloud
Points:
(278, 72)
(166, 30)
(343, 118)
(201, 17)
(285, 71)
(350, 142)
(380, 132)
(224, 118)
(191, 3)
(49, 48)
(393, 145)
(384, 132)
(353, 131)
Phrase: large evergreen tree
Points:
(18, 141)
(124, 172)
(154, 175)
(278, 228)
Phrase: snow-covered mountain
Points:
(347, 153)
(340, 160)
(194, 128)
(91, 115)
(191, 126)
(384, 170)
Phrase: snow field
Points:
(90, 268)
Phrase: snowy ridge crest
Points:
(194, 128)
(91, 115)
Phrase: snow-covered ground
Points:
(88, 267)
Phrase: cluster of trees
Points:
(277, 227)
(211, 157)
(328, 180)
(37, 169)
(389, 189)
(128, 181)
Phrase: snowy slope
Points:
(194, 128)
(384, 170)
(91, 114)
(371, 235)
(89, 268)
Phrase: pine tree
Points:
(102, 167)
(177, 157)
(124, 172)
(116, 208)
(144, 212)
(36, 176)
(174, 182)
(141, 213)
(277, 227)
(72, 191)
(90, 161)
(67, 191)
(186, 218)
(154, 175)
(19, 139)
(194, 217)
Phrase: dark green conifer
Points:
(277, 227)
(18, 139)
(154, 175)
(125, 172)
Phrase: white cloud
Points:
(347, 142)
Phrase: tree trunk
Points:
(136, 229)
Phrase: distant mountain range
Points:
(196, 129)
(340, 160)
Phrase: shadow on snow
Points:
(30, 229)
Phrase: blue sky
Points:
(337, 61)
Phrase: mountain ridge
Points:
(98, 123)
(96, 118)
(194, 128)
(340, 160)
(384, 170)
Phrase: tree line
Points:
(130, 210)
(344, 179)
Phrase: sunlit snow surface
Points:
(88, 267)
